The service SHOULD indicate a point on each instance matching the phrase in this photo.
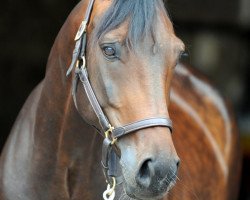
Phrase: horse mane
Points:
(141, 15)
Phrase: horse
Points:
(125, 63)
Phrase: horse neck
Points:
(57, 113)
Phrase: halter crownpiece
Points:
(111, 134)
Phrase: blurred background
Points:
(216, 34)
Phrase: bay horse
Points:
(126, 55)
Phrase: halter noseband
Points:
(110, 133)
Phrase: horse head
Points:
(131, 54)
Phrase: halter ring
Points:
(110, 130)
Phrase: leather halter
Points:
(111, 134)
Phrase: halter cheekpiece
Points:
(110, 152)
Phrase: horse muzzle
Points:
(152, 180)
(148, 176)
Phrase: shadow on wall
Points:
(27, 31)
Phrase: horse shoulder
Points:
(14, 157)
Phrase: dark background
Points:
(216, 34)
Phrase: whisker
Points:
(183, 189)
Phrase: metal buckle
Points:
(79, 70)
(110, 130)
(109, 136)
(83, 63)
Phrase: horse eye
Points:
(109, 51)
(184, 57)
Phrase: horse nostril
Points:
(157, 172)
(145, 174)
(178, 163)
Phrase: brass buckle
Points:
(108, 134)
(83, 59)
(109, 131)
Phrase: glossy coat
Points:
(53, 154)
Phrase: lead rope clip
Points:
(109, 194)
